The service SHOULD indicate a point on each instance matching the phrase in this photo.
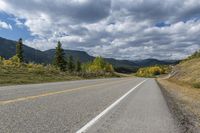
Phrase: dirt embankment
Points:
(184, 103)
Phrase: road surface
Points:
(117, 105)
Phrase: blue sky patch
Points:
(17, 31)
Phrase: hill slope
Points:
(182, 93)
(188, 71)
(7, 50)
(152, 62)
(81, 55)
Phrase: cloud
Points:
(131, 29)
(4, 25)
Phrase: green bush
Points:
(196, 85)
(1, 60)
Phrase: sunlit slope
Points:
(188, 71)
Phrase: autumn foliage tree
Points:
(152, 71)
(98, 65)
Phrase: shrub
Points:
(12, 62)
(194, 55)
(1, 60)
(109, 68)
(196, 85)
(152, 71)
(51, 69)
(35, 68)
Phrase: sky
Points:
(121, 29)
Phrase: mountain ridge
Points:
(7, 50)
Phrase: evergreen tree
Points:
(71, 66)
(60, 57)
(19, 50)
(78, 66)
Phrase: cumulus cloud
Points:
(4, 25)
(131, 29)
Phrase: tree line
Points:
(63, 63)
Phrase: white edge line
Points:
(94, 120)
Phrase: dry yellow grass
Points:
(182, 84)
(188, 95)
(186, 100)
(188, 71)
(182, 90)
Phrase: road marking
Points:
(94, 120)
(54, 93)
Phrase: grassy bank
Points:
(11, 76)
(188, 72)
(12, 72)
(184, 103)
(182, 92)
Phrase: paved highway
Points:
(117, 105)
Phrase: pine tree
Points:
(78, 66)
(71, 66)
(60, 57)
(19, 50)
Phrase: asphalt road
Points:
(126, 105)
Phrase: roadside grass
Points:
(188, 72)
(23, 77)
(29, 78)
(183, 88)
(185, 102)
(14, 76)
(13, 72)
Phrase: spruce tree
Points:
(71, 66)
(19, 50)
(60, 57)
(78, 66)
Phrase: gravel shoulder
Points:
(184, 104)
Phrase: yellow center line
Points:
(55, 92)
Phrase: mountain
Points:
(7, 50)
(81, 55)
(151, 62)
(124, 66)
